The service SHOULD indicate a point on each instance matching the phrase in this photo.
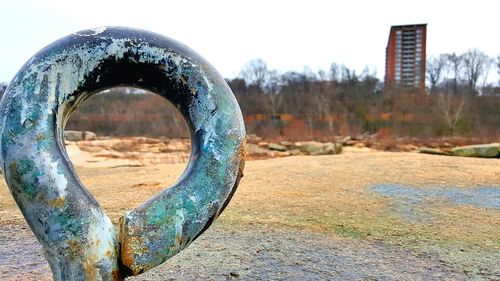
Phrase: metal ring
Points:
(79, 240)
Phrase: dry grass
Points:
(331, 195)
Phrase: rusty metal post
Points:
(78, 239)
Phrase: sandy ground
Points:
(361, 215)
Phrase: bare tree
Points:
(298, 98)
(476, 64)
(272, 88)
(334, 72)
(485, 85)
(327, 103)
(323, 75)
(348, 75)
(324, 104)
(369, 82)
(498, 68)
(453, 67)
(451, 108)
(435, 70)
(255, 72)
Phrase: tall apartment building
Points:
(405, 56)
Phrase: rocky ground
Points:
(140, 151)
(257, 253)
(358, 215)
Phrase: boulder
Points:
(253, 150)
(253, 139)
(277, 147)
(332, 148)
(359, 144)
(88, 135)
(288, 144)
(338, 148)
(351, 142)
(79, 135)
(263, 144)
(318, 148)
(434, 151)
(283, 153)
(310, 147)
(491, 150)
(346, 139)
(73, 135)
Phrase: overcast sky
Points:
(289, 35)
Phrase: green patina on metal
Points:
(79, 240)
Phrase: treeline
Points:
(459, 101)
(129, 112)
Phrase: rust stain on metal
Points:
(58, 202)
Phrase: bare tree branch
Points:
(435, 69)
(255, 72)
(450, 110)
(476, 65)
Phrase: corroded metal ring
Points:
(79, 240)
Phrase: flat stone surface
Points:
(491, 150)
